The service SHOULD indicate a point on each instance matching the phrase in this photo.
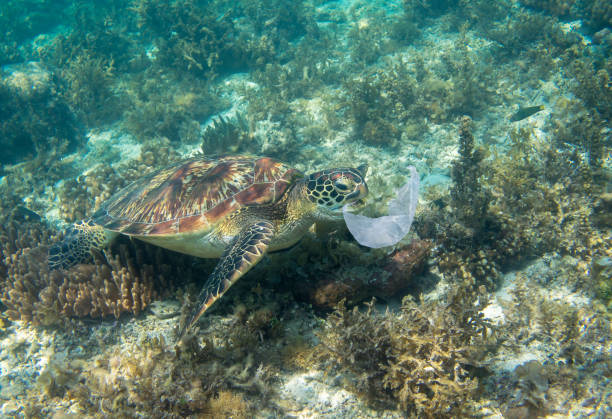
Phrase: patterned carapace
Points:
(194, 194)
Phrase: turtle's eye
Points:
(341, 185)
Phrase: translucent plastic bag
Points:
(389, 229)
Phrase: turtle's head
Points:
(331, 189)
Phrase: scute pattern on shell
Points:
(194, 194)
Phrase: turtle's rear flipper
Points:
(80, 240)
(247, 248)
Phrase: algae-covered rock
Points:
(34, 119)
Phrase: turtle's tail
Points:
(77, 245)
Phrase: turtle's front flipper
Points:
(77, 245)
(247, 248)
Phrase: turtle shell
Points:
(195, 194)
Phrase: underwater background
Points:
(498, 302)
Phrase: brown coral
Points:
(128, 281)
(33, 293)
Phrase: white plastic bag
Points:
(389, 229)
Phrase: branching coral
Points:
(133, 276)
(33, 294)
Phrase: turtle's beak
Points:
(355, 199)
(363, 190)
(360, 193)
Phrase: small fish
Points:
(224, 15)
(523, 113)
(25, 214)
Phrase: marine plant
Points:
(228, 135)
(421, 358)
(577, 338)
(160, 105)
(368, 38)
(87, 88)
(367, 106)
(87, 58)
(597, 14)
(22, 21)
(559, 8)
(33, 119)
(535, 200)
(280, 21)
(584, 123)
(527, 32)
(470, 200)
(191, 37)
(600, 15)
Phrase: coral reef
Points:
(190, 36)
(162, 106)
(520, 209)
(33, 119)
(130, 278)
(421, 358)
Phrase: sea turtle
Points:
(233, 207)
